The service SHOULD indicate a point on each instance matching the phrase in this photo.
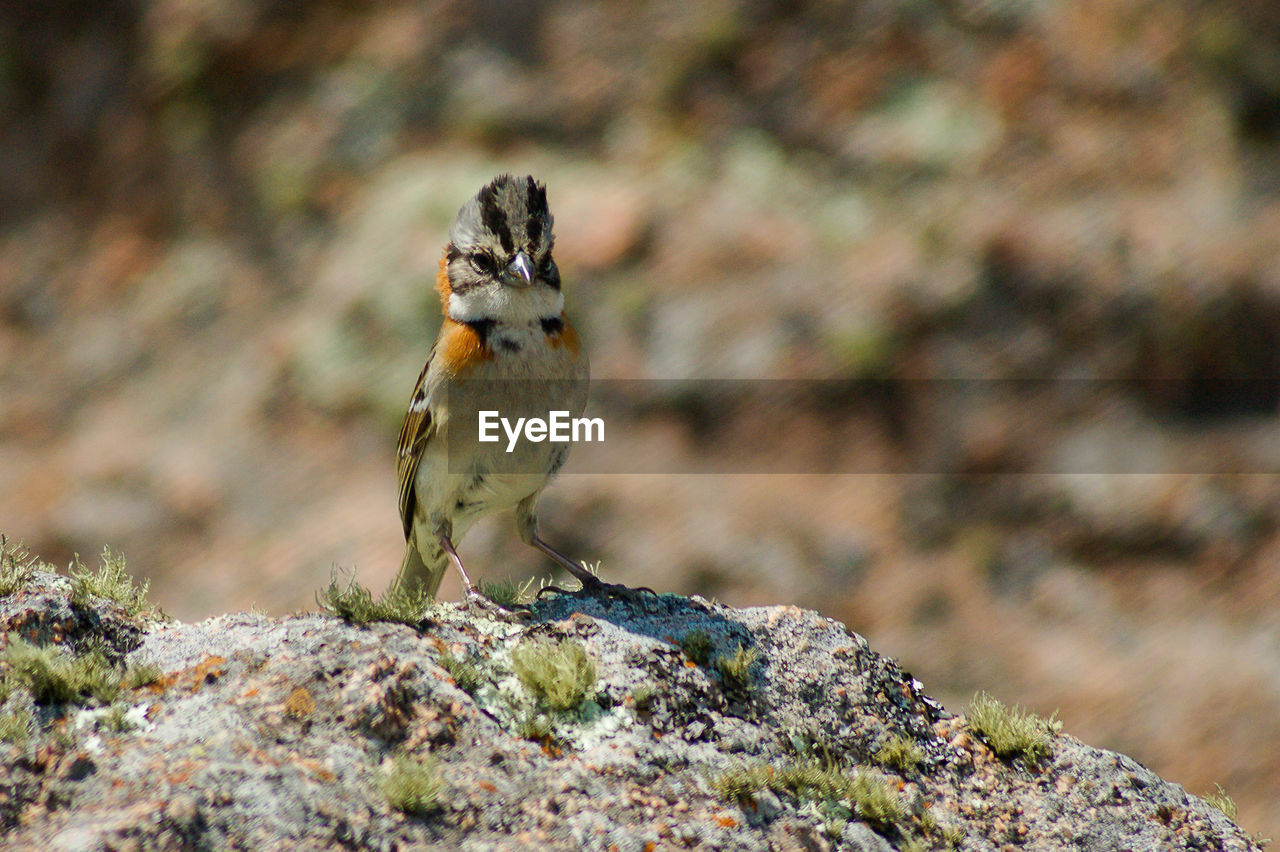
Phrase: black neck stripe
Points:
(552, 325)
(481, 327)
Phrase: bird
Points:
(505, 345)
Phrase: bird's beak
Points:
(521, 268)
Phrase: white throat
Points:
(514, 305)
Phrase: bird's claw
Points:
(478, 602)
(598, 588)
(559, 590)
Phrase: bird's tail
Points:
(422, 570)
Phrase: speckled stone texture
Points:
(276, 733)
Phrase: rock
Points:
(283, 732)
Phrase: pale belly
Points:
(464, 489)
(461, 478)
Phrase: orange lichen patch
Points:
(487, 787)
(461, 348)
(156, 686)
(786, 611)
(299, 704)
(210, 668)
(316, 769)
(207, 670)
(726, 821)
(567, 337)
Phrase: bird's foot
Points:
(595, 587)
(479, 603)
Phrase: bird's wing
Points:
(414, 434)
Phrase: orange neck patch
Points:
(442, 284)
(461, 348)
(567, 337)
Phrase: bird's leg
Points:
(585, 577)
(476, 599)
(591, 584)
(527, 527)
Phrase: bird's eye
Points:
(547, 270)
(484, 263)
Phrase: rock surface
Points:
(280, 733)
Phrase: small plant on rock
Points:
(55, 675)
(112, 581)
(356, 605)
(560, 675)
(901, 752)
(697, 646)
(141, 675)
(464, 673)
(1010, 731)
(413, 785)
(17, 566)
(16, 725)
(1220, 800)
(507, 593)
(864, 793)
(735, 668)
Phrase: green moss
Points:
(143, 675)
(814, 780)
(900, 752)
(875, 800)
(824, 781)
(463, 671)
(697, 646)
(15, 726)
(356, 605)
(735, 668)
(112, 581)
(1220, 800)
(741, 783)
(1010, 731)
(507, 593)
(560, 675)
(55, 675)
(17, 566)
(868, 794)
(413, 785)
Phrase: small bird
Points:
(505, 345)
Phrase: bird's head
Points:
(499, 260)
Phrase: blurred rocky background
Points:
(1030, 247)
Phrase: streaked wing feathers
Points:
(414, 433)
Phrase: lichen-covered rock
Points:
(699, 726)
